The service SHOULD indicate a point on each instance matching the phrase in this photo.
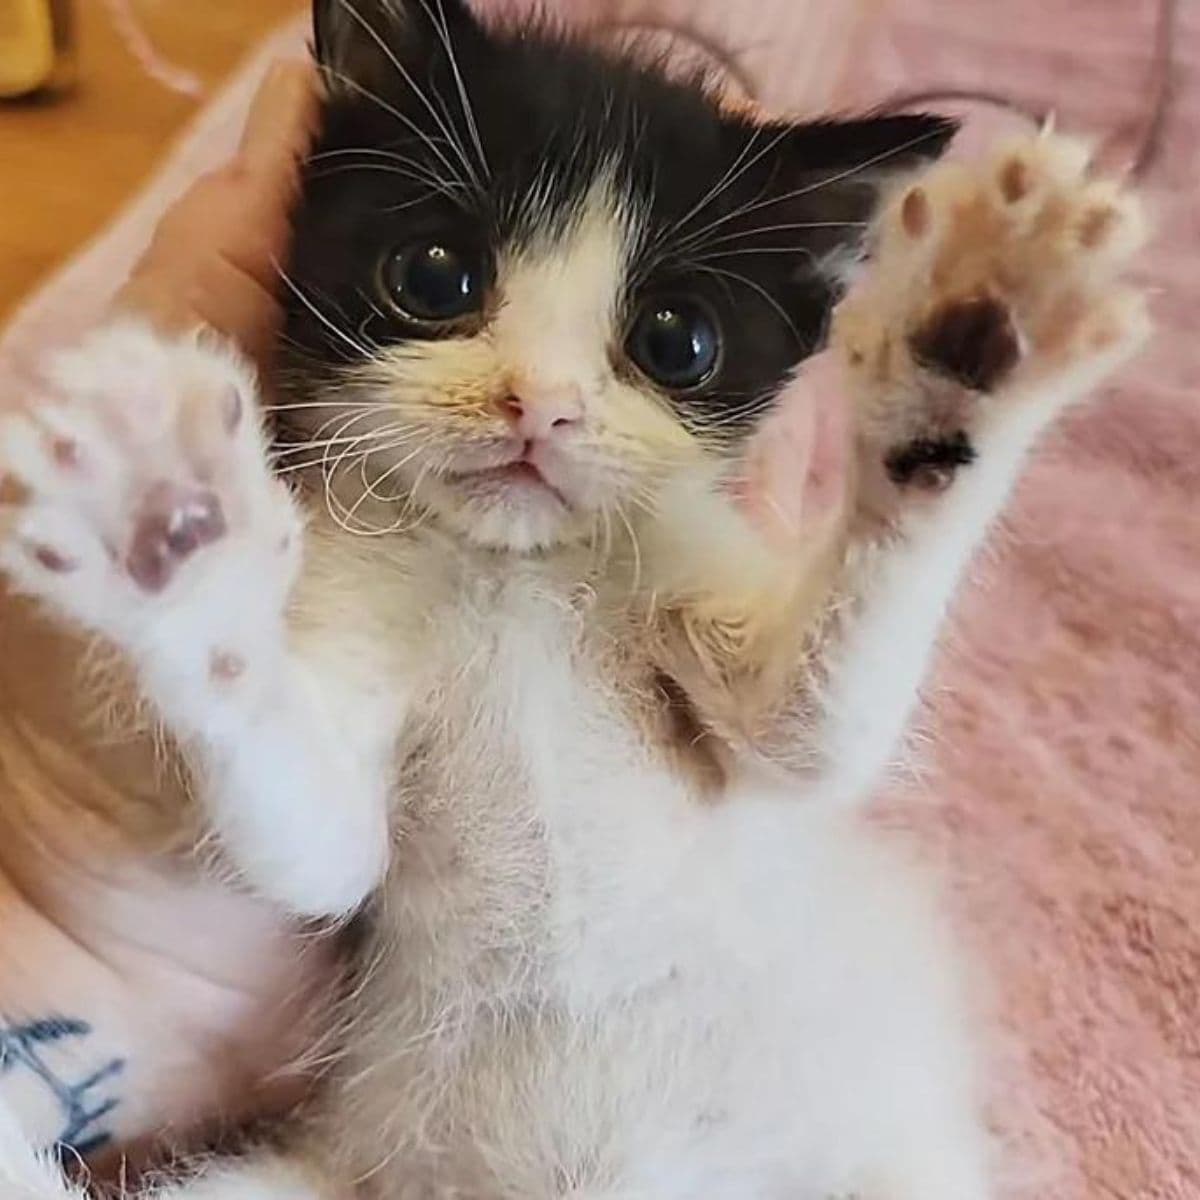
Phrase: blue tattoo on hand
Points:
(23, 1047)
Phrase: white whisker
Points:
(750, 283)
(300, 404)
(446, 127)
(358, 347)
(443, 29)
(816, 185)
(432, 184)
(743, 234)
(635, 546)
(737, 251)
(734, 172)
(391, 110)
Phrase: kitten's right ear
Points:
(359, 43)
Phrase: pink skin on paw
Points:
(797, 464)
(233, 409)
(51, 559)
(173, 523)
(65, 452)
(224, 666)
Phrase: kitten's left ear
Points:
(875, 144)
(361, 41)
(833, 170)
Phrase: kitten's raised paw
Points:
(138, 492)
(992, 284)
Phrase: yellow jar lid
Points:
(26, 46)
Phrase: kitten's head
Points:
(533, 282)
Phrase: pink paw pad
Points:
(51, 559)
(173, 523)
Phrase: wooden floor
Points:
(68, 164)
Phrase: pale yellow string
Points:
(139, 44)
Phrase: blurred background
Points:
(71, 152)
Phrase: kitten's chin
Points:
(512, 516)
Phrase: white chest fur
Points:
(528, 796)
(580, 971)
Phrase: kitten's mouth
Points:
(520, 476)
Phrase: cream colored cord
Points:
(130, 30)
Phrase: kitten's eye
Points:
(433, 282)
(676, 342)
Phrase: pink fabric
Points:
(1065, 777)
(1063, 789)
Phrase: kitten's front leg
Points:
(140, 505)
(995, 301)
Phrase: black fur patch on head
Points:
(437, 125)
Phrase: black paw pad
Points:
(973, 342)
(929, 463)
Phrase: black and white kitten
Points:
(589, 620)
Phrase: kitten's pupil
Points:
(432, 282)
(675, 342)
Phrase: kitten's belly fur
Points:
(583, 975)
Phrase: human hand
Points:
(185, 1000)
(212, 260)
(797, 470)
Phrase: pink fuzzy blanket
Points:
(1062, 789)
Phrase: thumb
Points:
(281, 121)
(797, 467)
(212, 260)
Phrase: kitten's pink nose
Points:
(543, 412)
